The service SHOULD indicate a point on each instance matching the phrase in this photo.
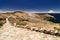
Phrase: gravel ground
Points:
(9, 32)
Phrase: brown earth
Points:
(24, 21)
(31, 20)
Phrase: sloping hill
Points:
(25, 26)
(30, 20)
(9, 32)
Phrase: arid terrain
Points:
(28, 26)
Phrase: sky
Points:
(30, 5)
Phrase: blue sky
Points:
(30, 5)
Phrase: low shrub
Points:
(1, 23)
(57, 28)
(21, 23)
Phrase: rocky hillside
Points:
(24, 24)
(9, 32)
(30, 19)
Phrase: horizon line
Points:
(4, 11)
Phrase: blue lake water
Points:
(57, 16)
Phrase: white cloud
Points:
(5, 11)
(36, 11)
(50, 11)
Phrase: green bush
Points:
(21, 23)
(1, 23)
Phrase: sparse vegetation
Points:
(57, 28)
(21, 23)
(1, 23)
